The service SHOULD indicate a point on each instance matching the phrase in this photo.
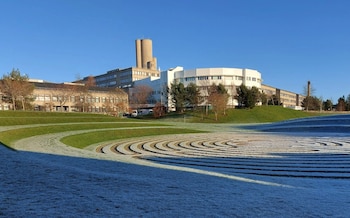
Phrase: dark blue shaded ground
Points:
(38, 185)
(336, 125)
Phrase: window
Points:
(202, 78)
(40, 98)
(216, 77)
(190, 79)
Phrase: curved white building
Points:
(226, 76)
(231, 78)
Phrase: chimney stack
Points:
(144, 56)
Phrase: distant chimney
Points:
(144, 56)
(308, 88)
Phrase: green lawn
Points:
(54, 122)
(261, 114)
(85, 139)
(9, 118)
(10, 136)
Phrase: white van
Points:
(134, 113)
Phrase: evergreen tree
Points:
(192, 95)
(178, 95)
(247, 97)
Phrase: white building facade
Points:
(231, 78)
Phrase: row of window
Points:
(78, 98)
(141, 73)
(189, 79)
(107, 83)
(103, 78)
(75, 108)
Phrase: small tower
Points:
(144, 56)
(308, 88)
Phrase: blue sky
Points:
(288, 41)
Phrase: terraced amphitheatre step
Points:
(244, 154)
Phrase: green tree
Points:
(253, 97)
(327, 105)
(341, 104)
(311, 103)
(192, 95)
(274, 100)
(264, 99)
(16, 88)
(242, 95)
(347, 103)
(247, 97)
(178, 95)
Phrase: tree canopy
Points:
(16, 88)
(247, 97)
(178, 95)
(218, 98)
(311, 103)
(192, 95)
(139, 96)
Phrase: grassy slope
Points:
(62, 122)
(261, 114)
(86, 139)
(9, 118)
(75, 121)
(10, 136)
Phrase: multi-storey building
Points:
(78, 97)
(123, 78)
(146, 66)
(286, 98)
(203, 78)
(146, 73)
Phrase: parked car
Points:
(134, 113)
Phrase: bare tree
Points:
(139, 96)
(16, 87)
(116, 101)
(233, 93)
(158, 110)
(218, 98)
(62, 93)
(204, 93)
(83, 99)
(90, 82)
